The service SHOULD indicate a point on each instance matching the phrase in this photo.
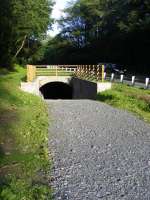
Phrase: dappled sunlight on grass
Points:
(128, 98)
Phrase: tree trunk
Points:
(22, 45)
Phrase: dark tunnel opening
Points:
(57, 90)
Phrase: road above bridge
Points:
(99, 152)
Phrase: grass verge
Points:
(24, 162)
(128, 98)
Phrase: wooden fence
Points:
(89, 72)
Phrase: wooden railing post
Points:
(100, 72)
(82, 73)
(97, 72)
(89, 71)
(82, 70)
(31, 73)
(86, 69)
(103, 69)
(57, 67)
(93, 71)
(79, 70)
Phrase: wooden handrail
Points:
(92, 72)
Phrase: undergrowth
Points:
(24, 162)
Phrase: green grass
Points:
(24, 162)
(128, 98)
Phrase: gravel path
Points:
(99, 152)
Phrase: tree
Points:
(107, 31)
(21, 21)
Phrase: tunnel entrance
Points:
(57, 90)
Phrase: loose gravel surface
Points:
(99, 152)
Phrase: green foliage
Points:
(24, 162)
(19, 189)
(22, 21)
(103, 31)
(128, 98)
(56, 50)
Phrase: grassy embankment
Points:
(128, 98)
(24, 161)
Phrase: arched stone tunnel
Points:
(62, 88)
(56, 90)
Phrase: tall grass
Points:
(24, 161)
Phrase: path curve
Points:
(99, 152)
